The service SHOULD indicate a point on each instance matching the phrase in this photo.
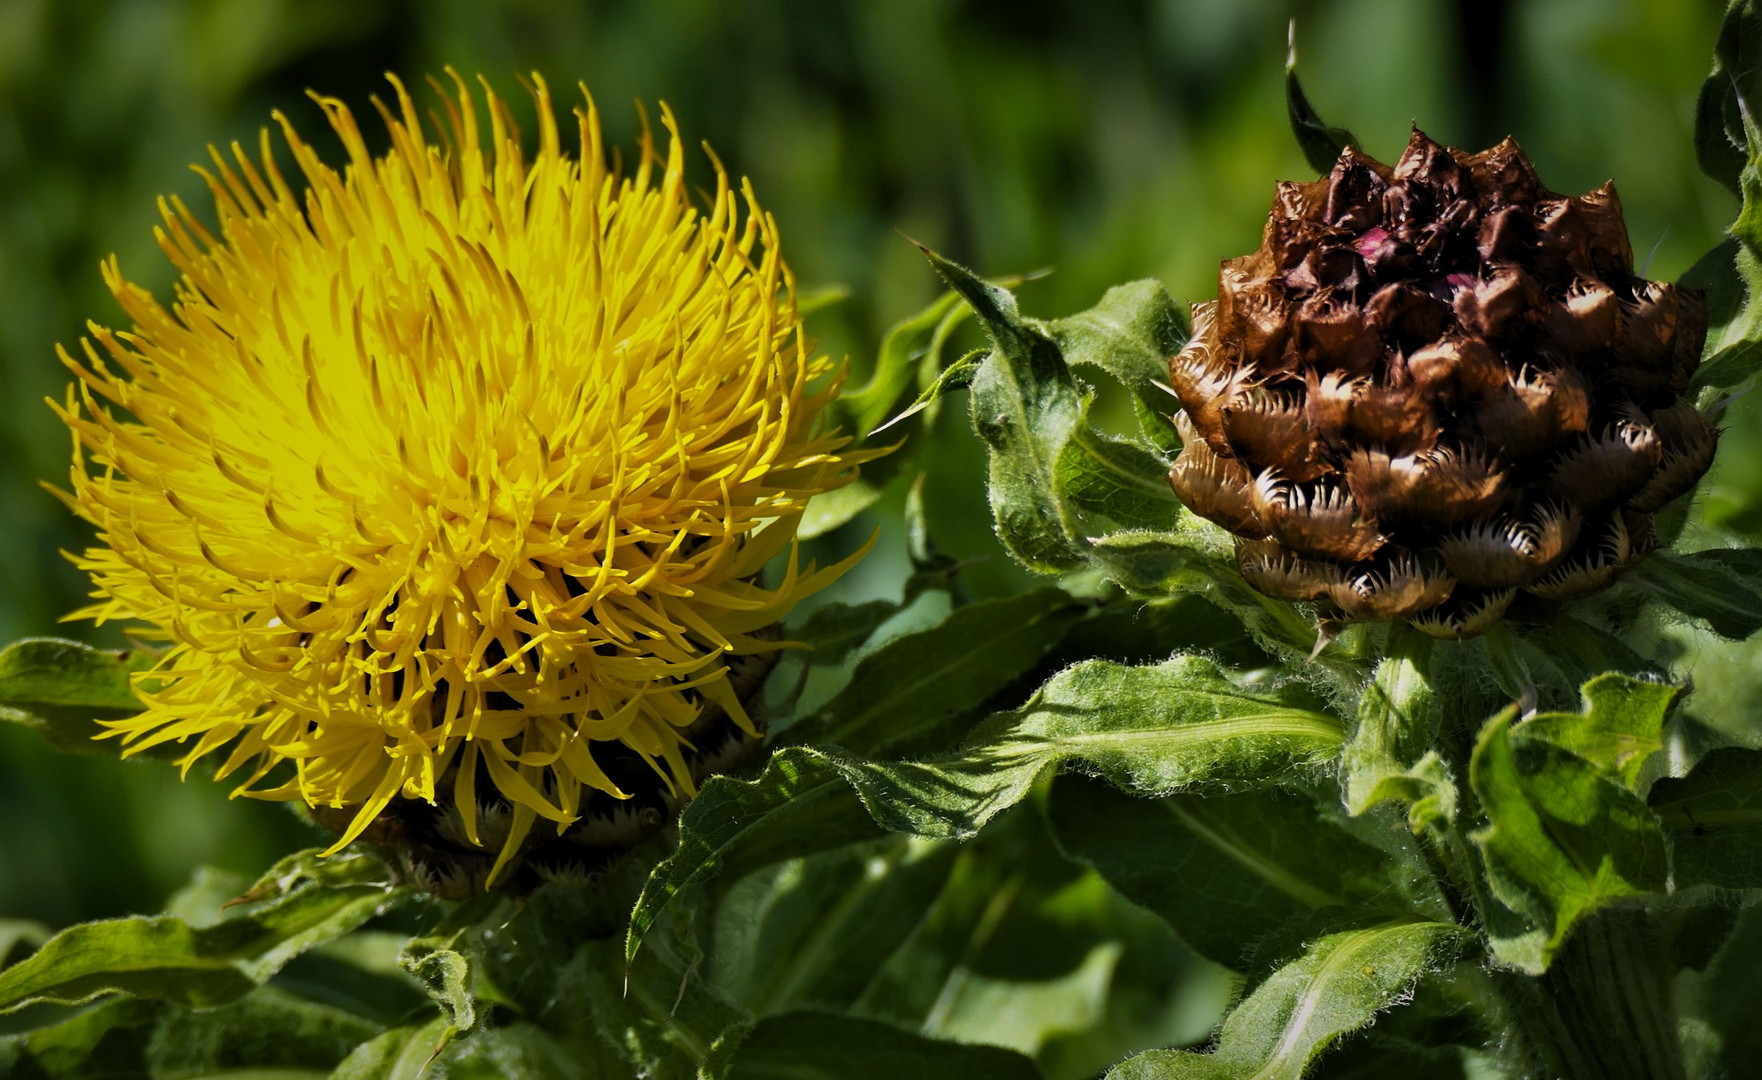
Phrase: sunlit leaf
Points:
(1621, 727)
(1563, 838)
(1339, 985)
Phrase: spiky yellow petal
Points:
(456, 464)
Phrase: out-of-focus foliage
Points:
(1109, 141)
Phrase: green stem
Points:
(1603, 1007)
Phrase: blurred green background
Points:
(1106, 140)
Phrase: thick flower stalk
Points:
(1437, 389)
(449, 480)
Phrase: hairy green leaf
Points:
(1339, 985)
(1321, 144)
(809, 1046)
(1722, 586)
(1563, 837)
(63, 688)
(445, 974)
(300, 903)
(915, 681)
(1390, 756)
(1224, 870)
(1155, 729)
(1111, 479)
(1025, 405)
(1621, 727)
(1713, 817)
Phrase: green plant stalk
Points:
(1603, 1007)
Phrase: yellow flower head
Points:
(455, 464)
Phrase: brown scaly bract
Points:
(1437, 388)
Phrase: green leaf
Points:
(1728, 145)
(108, 1040)
(833, 630)
(1224, 870)
(1025, 949)
(1131, 334)
(1563, 837)
(63, 688)
(896, 361)
(954, 377)
(1389, 757)
(1196, 558)
(1722, 138)
(1114, 480)
(1339, 985)
(1621, 727)
(1025, 405)
(300, 903)
(809, 1046)
(1729, 992)
(1722, 586)
(812, 933)
(445, 974)
(523, 1051)
(913, 682)
(20, 936)
(799, 805)
(1155, 729)
(1320, 143)
(837, 507)
(1713, 817)
(267, 1032)
(402, 1053)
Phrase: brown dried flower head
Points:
(1437, 388)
